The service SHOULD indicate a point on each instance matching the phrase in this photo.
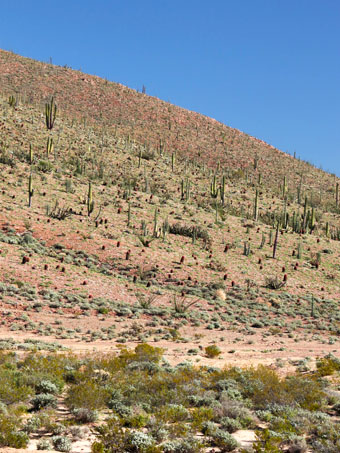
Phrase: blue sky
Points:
(270, 68)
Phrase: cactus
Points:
(140, 156)
(165, 228)
(155, 223)
(30, 155)
(194, 235)
(222, 190)
(327, 229)
(256, 205)
(129, 215)
(337, 195)
(312, 220)
(50, 114)
(305, 213)
(12, 101)
(213, 188)
(284, 187)
(90, 202)
(312, 307)
(173, 161)
(299, 251)
(246, 248)
(49, 146)
(276, 239)
(263, 240)
(30, 190)
(185, 190)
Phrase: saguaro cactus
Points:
(30, 155)
(213, 188)
(173, 161)
(284, 187)
(49, 146)
(90, 202)
(30, 190)
(50, 114)
(256, 205)
(276, 239)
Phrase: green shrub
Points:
(85, 415)
(46, 386)
(186, 445)
(174, 413)
(88, 394)
(230, 424)
(224, 441)
(44, 444)
(43, 400)
(212, 351)
(61, 443)
(10, 434)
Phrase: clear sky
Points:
(270, 68)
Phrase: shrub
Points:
(137, 441)
(224, 441)
(10, 436)
(43, 400)
(61, 443)
(84, 415)
(88, 395)
(212, 351)
(46, 386)
(44, 444)
(186, 445)
(327, 366)
(174, 413)
(274, 282)
(230, 424)
(113, 438)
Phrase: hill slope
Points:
(177, 248)
(155, 122)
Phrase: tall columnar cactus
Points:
(337, 195)
(140, 157)
(284, 187)
(312, 307)
(256, 205)
(222, 189)
(305, 213)
(129, 215)
(173, 161)
(30, 155)
(49, 146)
(30, 190)
(213, 188)
(50, 114)
(276, 239)
(12, 101)
(299, 190)
(312, 220)
(155, 223)
(185, 190)
(327, 229)
(90, 202)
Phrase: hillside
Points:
(178, 244)
(167, 284)
(155, 122)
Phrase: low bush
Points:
(61, 443)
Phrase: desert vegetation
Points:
(126, 221)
